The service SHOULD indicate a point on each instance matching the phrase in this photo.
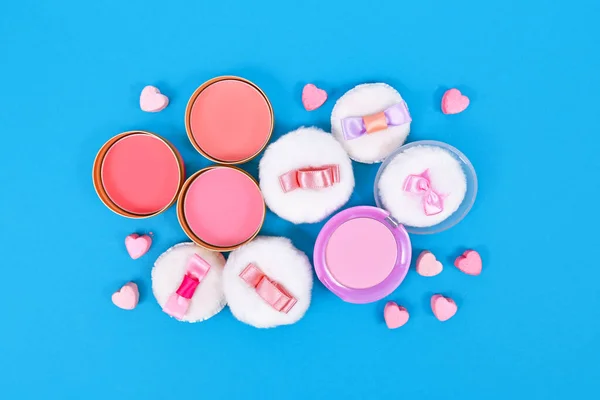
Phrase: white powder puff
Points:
(446, 175)
(169, 270)
(302, 148)
(279, 260)
(363, 100)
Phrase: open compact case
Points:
(363, 253)
(305, 176)
(370, 121)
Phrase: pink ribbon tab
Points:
(271, 292)
(310, 178)
(179, 302)
(433, 202)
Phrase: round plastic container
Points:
(466, 203)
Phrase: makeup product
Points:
(268, 282)
(187, 282)
(138, 174)
(305, 176)
(427, 186)
(221, 208)
(152, 100)
(362, 254)
(229, 120)
(370, 121)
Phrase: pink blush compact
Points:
(138, 174)
(221, 208)
(229, 120)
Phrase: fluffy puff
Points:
(278, 259)
(363, 100)
(168, 273)
(304, 147)
(446, 175)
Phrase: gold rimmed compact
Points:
(229, 120)
(138, 174)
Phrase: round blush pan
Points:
(221, 208)
(361, 255)
(229, 120)
(138, 174)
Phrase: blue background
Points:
(528, 327)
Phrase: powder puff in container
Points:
(187, 282)
(221, 207)
(229, 120)
(370, 121)
(268, 282)
(305, 176)
(427, 186)
(138, 174)
(362, 254)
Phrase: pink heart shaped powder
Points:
(313, 97)
(151, 100)
(137, 245)
(454, 102)
(127, 297)
(428, 265)
(443, 308)
(469, 263)
(395, 316)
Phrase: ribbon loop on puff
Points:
(310, 178)
(270, 291)
(433, 202)
(179, 302)
(355, 127)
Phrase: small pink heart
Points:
(313, 97)
(453, 102)
(151, 100)
(137, 245)
(469, 263)
(427, 265)
(395, 316)
(443, 308)
(127, 297)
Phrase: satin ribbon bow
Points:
(355, 127)
(179, 302)
(271, 292)
(310, 178)
(433, 202)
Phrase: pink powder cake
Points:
(222, 207)
(141, 174)
(229, 120)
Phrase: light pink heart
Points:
(395, 316)
(454, 102)
(127, 297)
(443, 308)
(137, 245)
(427, 265)
(469, 263)
(313, 97)
(152, 100)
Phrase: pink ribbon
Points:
(433, 202)
(179, 302)
(310, 178)
(271, 292)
